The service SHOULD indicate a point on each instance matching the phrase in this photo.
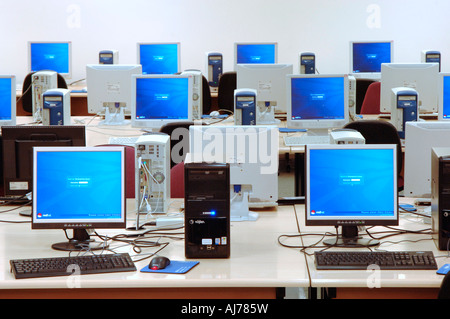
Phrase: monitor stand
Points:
(266, 114)
(81, 241)
(350, 238)
(115, 116)
(239, 208)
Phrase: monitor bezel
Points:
(316, 123)
(66, 75)
(352, 221)
(235, 51)
(157, 123)
(72, 223)
(138, 50)
(368, 74)
(11, 121)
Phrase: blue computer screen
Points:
(79, 185)
(50, 56)
(317, 98)
(367, 57)
(162, 98)
(5, 98)
(352, 183)
(256, 53)
(159, 58)
(446, 97)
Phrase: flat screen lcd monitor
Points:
(18, 143)
(255, 53)
(366, 57)
(7, 100)
(422, 77)
(109, 85)
(160, 99)
(54, 56)
(444, 96)
(87, 191)
(269, 81)
(159, 58)
(317, 102)
(351, 185)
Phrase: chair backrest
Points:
(182, 136)
(225, 95)
(177, 181)
(26, 98)
(361, 89)
(371, 102)
(444, 290)
(130, 174)
(206, 96)
(380, 132)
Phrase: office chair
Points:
(206, 96)
(169, 128)
(381, 132)
(225, 95)
(361, 89)
(444, 290)
(129, 169)
(27, 103)
(371, 102)
(177, 181)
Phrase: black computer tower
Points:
(440, 196)
(207, 210)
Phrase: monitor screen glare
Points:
(50, 56)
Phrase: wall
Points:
(324, 27)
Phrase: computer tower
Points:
(41, 82)
(56, 110)
(431, 56)
(152, 179)
(214, 61)
(207, 210)
(440, 196)
(108, 57)
(245, 107)
(307, 63)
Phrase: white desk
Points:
(256, 268)
(385, 283)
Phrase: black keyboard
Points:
(329, 260)
(59, 266)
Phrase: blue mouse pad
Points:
(175, 267)
(444, 269)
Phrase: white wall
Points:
(324, 27)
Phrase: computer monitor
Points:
(18, 143)
(50, 55)
(109, 87)
(86, 191)
(444, 97)
(252, 152)
(422, 77)
(269, 81)
(7, 100)
(420, 138)
(366, 57)
(251, 53)
(317, 102)
(159, 58)
(350, 186)
(160, 99)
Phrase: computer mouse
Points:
(159, 263)
(214, 114)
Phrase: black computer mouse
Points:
(159, 263)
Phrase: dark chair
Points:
(177, 181)
(27, 103)
(381, 132)
(361, 89)
(177, 151)
(225, 95)
(130, 174)
(371, 102)
(444, 290)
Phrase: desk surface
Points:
(257, 260)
